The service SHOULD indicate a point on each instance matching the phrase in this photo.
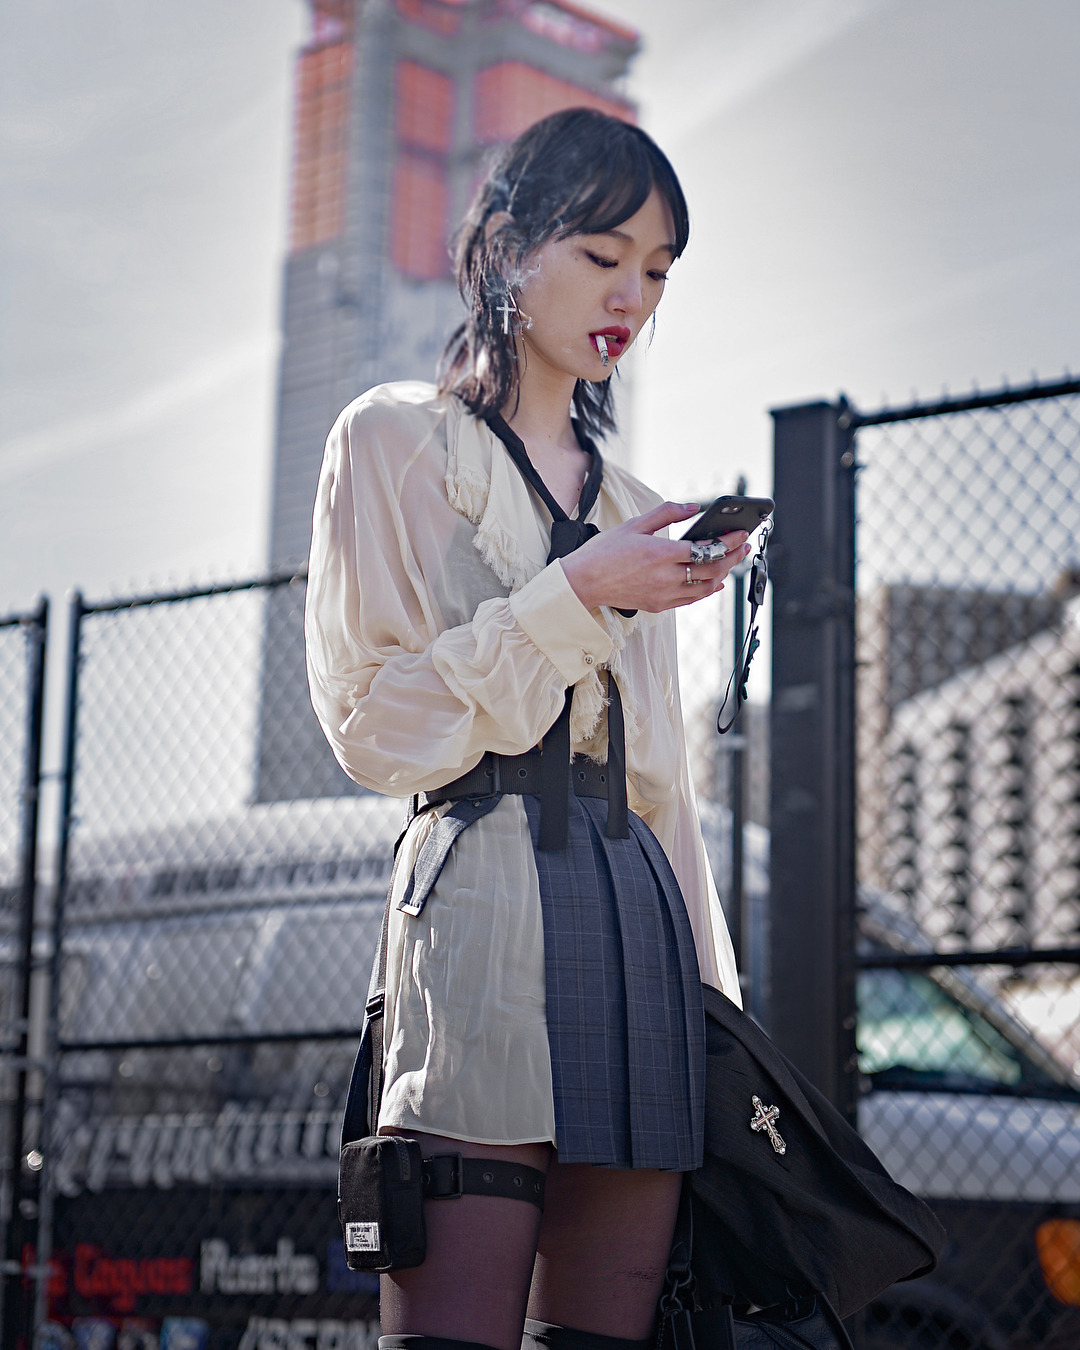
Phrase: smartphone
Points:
(730, 513)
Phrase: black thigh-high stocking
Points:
(407, 1342)
(473, 1285)
(548, 1336)
(603, 1252)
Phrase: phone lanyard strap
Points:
(758, 580)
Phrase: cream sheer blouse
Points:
(436, 631)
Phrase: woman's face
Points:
(589, 291)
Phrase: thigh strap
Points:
(446, 1176)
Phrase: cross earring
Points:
(506, 309)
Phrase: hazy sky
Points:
(885, 197)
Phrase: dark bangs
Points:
(576, 172)
(600, 176)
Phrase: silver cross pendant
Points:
(762, 1119)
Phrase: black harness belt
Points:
(477, 793)
(520, 775)
(555, 776)
(447, 1176)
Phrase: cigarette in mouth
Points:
(601, 347)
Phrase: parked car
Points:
(970, 1110)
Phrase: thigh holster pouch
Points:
(383, 1181)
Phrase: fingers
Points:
(737, 548)
(667, 513)
(733, 544)
(627, 567)
(706, 578)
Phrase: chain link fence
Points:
(22, 673)
(213, 929)
(14, 704)
(212, 939)
(968, 821)
(211, 956)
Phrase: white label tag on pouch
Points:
(362, 1237)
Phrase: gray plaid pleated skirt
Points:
(625, 1021)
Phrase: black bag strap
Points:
(678, 1291)
(364, 1095)
(685, 1326)
(365, 1082)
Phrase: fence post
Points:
(23, 1185)
(812, 864)
(76, 611)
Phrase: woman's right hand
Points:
(628, 567)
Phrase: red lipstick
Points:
(610, 342)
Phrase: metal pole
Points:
(812, 867)
(22, 1180)
(52, 1033)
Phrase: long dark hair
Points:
(575, 172)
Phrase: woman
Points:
(543, 1000)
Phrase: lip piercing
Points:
(601, 347)
(702, 553)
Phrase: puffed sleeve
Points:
(407, 700)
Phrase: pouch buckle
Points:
(443, 1177)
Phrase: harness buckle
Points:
(494, 772)
(443, 1177)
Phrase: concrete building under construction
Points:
(399, 105)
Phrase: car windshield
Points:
(911, 1034)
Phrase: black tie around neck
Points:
(566, 536)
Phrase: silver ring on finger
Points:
(691, 580)
(711, 552)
